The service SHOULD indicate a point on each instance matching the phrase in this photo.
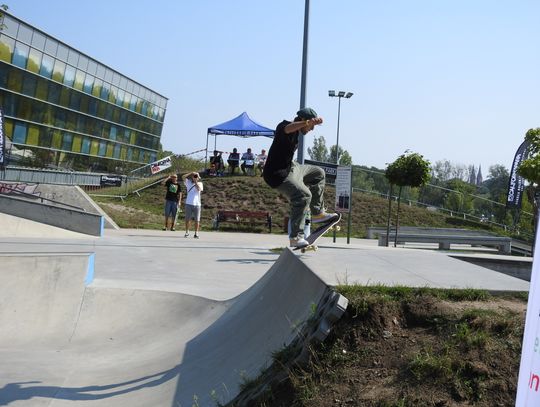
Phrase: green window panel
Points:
(8, 128)
(20, 56)
(7, 46)
(64, 97)
(77, 144)
(123, 152)
(42, 89)
(57, 139)
(19, 133)
(58, 71)
(15, 80)
(110, 150)
(112, 95)
(116, 151)
(136, 153)
(79, 80)
(84, 104)
(133, 137)
(33, 135)
(34, 60)
(94, 147)
(47, 65)
(130, 153)
(98, 85)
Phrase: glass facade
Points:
(64, 109)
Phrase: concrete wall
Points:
(70, 219)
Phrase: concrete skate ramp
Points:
(66, 343)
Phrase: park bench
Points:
(247, 217)
(503, 244)
(373, 232)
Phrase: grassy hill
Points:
(251, 193)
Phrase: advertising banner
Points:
(528, 388)
(343, 189)
(516, 183)
(160, 165)
(2, 140)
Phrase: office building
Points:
(64, 109)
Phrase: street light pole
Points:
(300, 155)
(339, 95)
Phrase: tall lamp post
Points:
(339, 95)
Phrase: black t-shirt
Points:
(280, 155)
(173, 191)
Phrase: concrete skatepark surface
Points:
(150, 318)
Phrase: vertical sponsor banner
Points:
(163, 164)
(516, 183)
(343, 189)
(2, 140)
(528, 388)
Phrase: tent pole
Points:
(206, 152)
(215, 142)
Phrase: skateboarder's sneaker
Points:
(323, 217)
(298, 242)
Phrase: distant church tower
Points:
(479, 178)
(472, 175)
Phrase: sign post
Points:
(528, 387)
(344, 195)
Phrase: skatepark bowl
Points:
(64, 341)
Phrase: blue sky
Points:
(456, 80)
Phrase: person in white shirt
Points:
(194, 186)
(261, 160)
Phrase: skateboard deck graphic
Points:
(317, 233)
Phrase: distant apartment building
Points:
(64, 109)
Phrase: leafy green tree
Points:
(409, 169)
(319, 152)
(344, 156)
(530, 170)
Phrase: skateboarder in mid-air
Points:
(303, 184)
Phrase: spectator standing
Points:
(194, 187)
(233, 160)
(302, 184)
(261, 161)
(173, 197)
(248, 161)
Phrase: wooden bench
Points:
(504, 244)
(238, 217)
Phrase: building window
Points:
(47, 64)
(7, 45)
(85, 145)
(20, 56)
(102, 148)
(19, 133)
(67, 141)
(34, 60)
(58, 71)
(69, 76)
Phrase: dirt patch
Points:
(421, 351)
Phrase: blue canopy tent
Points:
(240, 126)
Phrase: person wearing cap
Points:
(194, 187)
(302, 184)
(233, 160)
(173, 197)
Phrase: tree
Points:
(409, 169)
(344, 156)
(319, 152)
(530, 170)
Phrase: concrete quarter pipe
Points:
(65, 342)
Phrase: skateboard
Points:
(317, 233)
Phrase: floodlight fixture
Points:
(341, 93)
(332, 93)
(348, 95)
